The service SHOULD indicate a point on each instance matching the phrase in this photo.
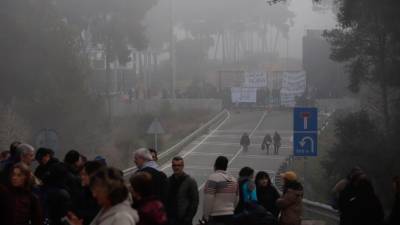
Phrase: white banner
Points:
(293, 85)
(255, 79)
(240, 94)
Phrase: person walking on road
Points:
(277, 142)
(183, 195)
(220, 194)
(245, 141)
(266, 143)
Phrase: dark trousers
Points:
(225, 220)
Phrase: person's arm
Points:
(36, 212)
(194, 197)
(210, 190)
(286, 200)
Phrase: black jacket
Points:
(159, 183)
(43, 170)
(87, 208)
(267, 197)
(183, 199)
(245, 140)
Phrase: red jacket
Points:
(151, 212)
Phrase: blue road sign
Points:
(305, 119)
(305, 144)
(305, 133)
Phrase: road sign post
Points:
(156, 129)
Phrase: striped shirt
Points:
(220, 194)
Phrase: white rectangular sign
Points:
(240, 94)
(255, 79)
(293, 85)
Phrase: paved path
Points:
(200, 155)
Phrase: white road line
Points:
(211, 154)
(251, 134)
(201, 142)
(272, 157)
(240, 149)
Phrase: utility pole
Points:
(172, 50)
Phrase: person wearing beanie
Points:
(291, 202)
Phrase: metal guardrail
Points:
(315, 210)
(164, 156)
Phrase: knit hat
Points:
(289, 175)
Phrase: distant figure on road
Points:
(277, 143)
(267, 141)
(245, 141)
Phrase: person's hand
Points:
(73, 219)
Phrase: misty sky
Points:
(305, 19)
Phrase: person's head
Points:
(289, 176)
(27, 153)
(141, 156)
(154, 154)
(356, 176)
(13, 147)
(21, 176)
(73, 158)
(246, 172)
(88, 170)
(221, 163)
(294, 185)
(396, 184)
(108, 187)
(141, 185)
(178, 165)
(355, 171)
(263, 179)
(245, 134)
(4, 155)
(43, 155)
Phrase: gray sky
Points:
(305, 19)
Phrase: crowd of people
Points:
(79, 191)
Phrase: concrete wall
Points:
(122, 108)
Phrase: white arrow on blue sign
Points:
(305, 133)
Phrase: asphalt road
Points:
(200, 155)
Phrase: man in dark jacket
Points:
(183, 195)
(45, 158)
(145, 163)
